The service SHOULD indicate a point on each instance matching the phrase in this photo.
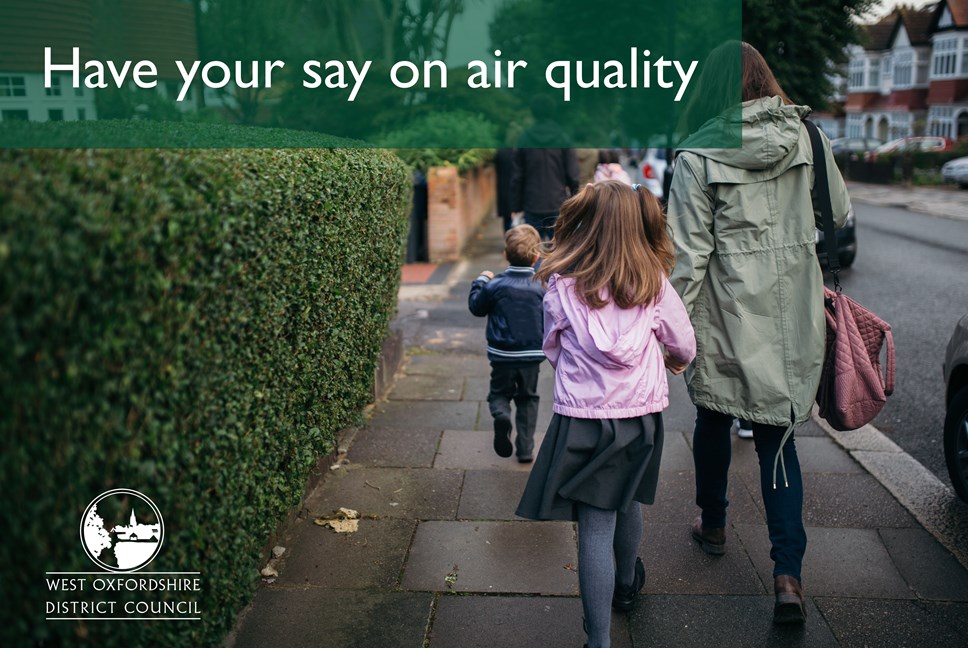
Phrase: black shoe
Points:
(625, 597)
(502, 437)
(525, 458)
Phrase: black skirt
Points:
(607, 463)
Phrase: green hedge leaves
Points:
(192, 324)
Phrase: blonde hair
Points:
(612, 239)
(522, 244)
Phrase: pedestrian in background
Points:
(609, 311)
(610, 167)
(748, 273)
(545, 169)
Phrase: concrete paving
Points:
(440, 560)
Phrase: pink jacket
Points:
(609, 362)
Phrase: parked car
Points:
(956, 171)
(846, 243)
(853, 144)
(956, 402)
(906, 144)
(652, 168)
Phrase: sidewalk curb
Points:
(927, 498)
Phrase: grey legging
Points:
(608, 543)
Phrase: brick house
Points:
(911, 75)
(159, 30)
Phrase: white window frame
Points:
(11, 83)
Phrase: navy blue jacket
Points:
(512, 302)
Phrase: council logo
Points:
(122, 530)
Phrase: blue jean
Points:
(544, 222)
(711, 450)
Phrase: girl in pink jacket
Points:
(613, 324)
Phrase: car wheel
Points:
(847, 259)
(956, 442)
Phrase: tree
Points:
(804, 41)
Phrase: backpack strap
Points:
(822, 186)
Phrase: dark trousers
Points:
(711, 449)
(544, 222)
(517, 382)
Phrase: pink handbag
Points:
(853, 389)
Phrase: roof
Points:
(919, 23)
(879, 35)
(958, 9)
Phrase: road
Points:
(912, 270)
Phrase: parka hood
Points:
(771, 136)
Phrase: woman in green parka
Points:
(747, 270)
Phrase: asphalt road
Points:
(912, 270)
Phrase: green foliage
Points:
(126, 133)
(193, 324)
(436, 127)
(803, 41)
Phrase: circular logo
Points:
(122, 530)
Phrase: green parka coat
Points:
(746, 268)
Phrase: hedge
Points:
(192, 324)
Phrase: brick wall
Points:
(456, 205)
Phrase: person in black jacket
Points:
(512, 302)
(545, 170)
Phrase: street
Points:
(911, 271)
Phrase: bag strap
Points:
(889, 386)
(822, 186)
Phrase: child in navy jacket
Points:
(512, 302)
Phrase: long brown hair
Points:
(612, 239)
(758, 78)
(733, 72)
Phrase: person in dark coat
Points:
(545, 170)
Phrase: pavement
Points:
(945, 201)
(439, 560)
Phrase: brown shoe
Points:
(789, 601)
(712, 541)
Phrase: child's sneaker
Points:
(502, 436)
(744, 429)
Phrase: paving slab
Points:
(491, 494)
(816, 454)
(410, 493)
(431, 416)
(675, 501)
(476, 388)
(449, 364)
(838, 562)
(316, 617)
(394, 447)
(723, 621)
(865, 622)
(468, 450)
(515, 622)
(676, 453)
(928, 568)
(427, 388)
(674, 564)
(459, 339)
(369, 558)
(951, 615)
(850, 500)
(493, 557)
